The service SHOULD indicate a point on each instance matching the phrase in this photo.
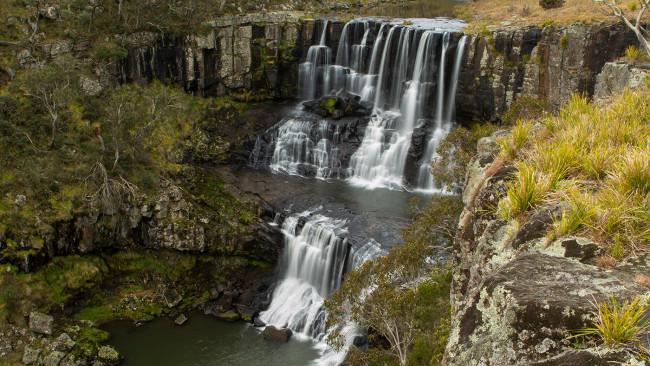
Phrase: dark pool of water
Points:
(204, 341)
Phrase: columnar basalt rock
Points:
(257, 52)
(551, 63)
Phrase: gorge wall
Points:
(550, 63)
(260, 54)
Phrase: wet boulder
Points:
(277, 334)
(180, 320)
(339, 105)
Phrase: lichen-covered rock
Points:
(64, 343)
(517, 296)
(41, 323)
(617, 76)
(108, 354)
(53, 358)
(550, 63)
(30, 355)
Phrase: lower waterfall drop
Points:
(316, 256)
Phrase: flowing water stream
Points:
(366, 168)
(402, 68)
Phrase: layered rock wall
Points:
(258, 53)
(550, 63)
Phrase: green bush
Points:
(551, 4)
(455, 152)
(527, 108)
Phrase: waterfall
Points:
(403, 68)
(444, 118)
(305, 146)
(314, 68)
(315, 258)
(380, 160)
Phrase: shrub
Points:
(596, 158)
(619, 323)
(455, 152)
(632, 173)
(579, 211)
(632, 53)
(512, 144)
(109, 51)
(525, 108)
(551, 4)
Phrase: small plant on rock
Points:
(620, 324)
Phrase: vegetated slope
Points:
(551, 258)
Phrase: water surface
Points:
(204, 341)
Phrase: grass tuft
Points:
(619, 323)
(594, 158)
(525, 192)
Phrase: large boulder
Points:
(527, 310)
(517, 296)
(617, 76)
(41, 323)
(277, 334)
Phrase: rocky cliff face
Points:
(260, 53)
(550, 63)
(517, 298)
(253, 52)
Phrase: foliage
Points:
(68, 153)
(402, 297)
(525, 107)
(455, 152)
(603, 173)
(551, 4)
(620, 324)
(519, 135)
(634, 17)
(525, 192)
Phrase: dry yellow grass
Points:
(493, 12)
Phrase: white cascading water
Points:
(315, 259)
(381, 159)
(406, 61)
(444, 119)
(306, 147)
(315, 67)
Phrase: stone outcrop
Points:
(617, 76)
(258, 52)
(277, 334)
(41, 323)
(550, 63)
(517, 297)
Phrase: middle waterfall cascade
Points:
(399, 69)
(316, 256)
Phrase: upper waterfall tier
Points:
(396, 79)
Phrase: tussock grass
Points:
(527, 191)
(619, 323)
(513, 144)
(594, 158)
